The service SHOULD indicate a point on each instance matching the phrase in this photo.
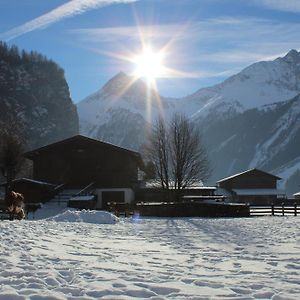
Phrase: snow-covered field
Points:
(189, 258)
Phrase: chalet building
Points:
(253, 186)
(79, 161)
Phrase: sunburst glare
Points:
(149, 64)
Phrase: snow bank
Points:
(46, 211)
(86, 216)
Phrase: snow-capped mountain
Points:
(122, 111)
(259, 84)
(249, 120)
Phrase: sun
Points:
(149, 64)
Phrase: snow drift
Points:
(86, 216)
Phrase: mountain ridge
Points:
(252, 94)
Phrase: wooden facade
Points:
(192, 209)
(154, 194)
(251, 179)
(79, 160)
(253, 186)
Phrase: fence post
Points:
(295, 207)
(272, 206)
(283, 209)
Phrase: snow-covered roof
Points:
(33, 181)
(156, 184)
(258, 192)
(203, 197)
(245, 172)
(37, 182)
(83, 198)
(208, 201)
(296, 194)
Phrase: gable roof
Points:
(247, 172)
(31, 154)
(31, 182)
(258, 192)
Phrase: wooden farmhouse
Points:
(79, 162)
(253, 186)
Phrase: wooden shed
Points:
(252, 186)
(33, 191)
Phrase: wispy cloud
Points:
(282, 5)
(211, 48)
(113, 34)
(67, 10)
(154, 32)
(238, 41)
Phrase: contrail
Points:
(67, 10)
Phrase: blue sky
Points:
(207, 40)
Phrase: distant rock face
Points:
(249, 120)
(267, 138)
(35, 95)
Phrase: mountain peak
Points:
(121, 74)
(116, 83)
(292, 56)
(126, 87)
(120, 77)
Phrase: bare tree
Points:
(11, 155)
(178, 154)
(189, 161)
(156, 152)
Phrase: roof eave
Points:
(245, 172)
(31, 154)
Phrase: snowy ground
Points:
(190, 258)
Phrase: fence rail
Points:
(274, 210)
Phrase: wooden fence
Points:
(274, 210)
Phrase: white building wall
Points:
(128, 195)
